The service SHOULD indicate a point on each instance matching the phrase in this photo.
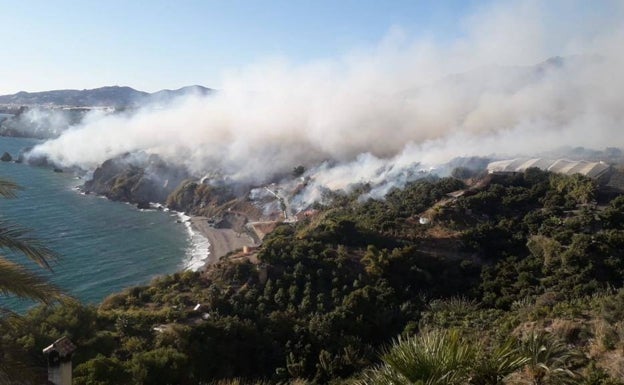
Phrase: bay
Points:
(104, 246)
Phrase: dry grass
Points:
(569, 331)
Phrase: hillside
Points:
(112, 96)
(522, 263)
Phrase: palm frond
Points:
(431, 358)
(8, 189)
(16, 367)
(16, 238)
(549, 358)
(16, 280)
(493, 366)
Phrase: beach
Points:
(222, 240)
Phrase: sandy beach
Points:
(222, 241)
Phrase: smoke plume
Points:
(380, 113)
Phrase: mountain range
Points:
(111, 96)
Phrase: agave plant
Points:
(430, 358)
(494, 366)
(241, 381)
(549, 359)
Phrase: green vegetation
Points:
(518, 279)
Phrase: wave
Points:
(199, 249)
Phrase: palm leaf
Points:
(15, 364)
(431, 358)
(14, 370)
(16, 280)
(493, 366)
(8, 189)
(549, 358)
(16, 238)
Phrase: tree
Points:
(101, 371)
(298, 171)
(18, 281)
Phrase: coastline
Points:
(221, 241)
(207, 243)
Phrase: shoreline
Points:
(221, 241)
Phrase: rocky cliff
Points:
(136, 178)
(226, 206)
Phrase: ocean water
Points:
(104, 246)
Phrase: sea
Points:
(103, 246)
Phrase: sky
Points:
(156, 44)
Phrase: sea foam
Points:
(199, 250)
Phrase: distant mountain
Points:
(113, 96)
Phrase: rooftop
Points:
(561, 166)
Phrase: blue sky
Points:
(157, 44)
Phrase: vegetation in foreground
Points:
(18, 281)
(517, 281)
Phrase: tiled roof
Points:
(63, 346)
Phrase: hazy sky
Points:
(157, 44)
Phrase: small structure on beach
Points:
(249, 249)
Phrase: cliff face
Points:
(142, 178)
(136, 178)
(194, 197)
(219, 202)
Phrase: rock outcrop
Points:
(6, 157)
(136, 178)
(227, 207)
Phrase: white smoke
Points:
(375, 112)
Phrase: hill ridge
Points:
(106, 96)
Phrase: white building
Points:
(592, 170)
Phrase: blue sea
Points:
(104, 246)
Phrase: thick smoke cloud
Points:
(381, 113)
